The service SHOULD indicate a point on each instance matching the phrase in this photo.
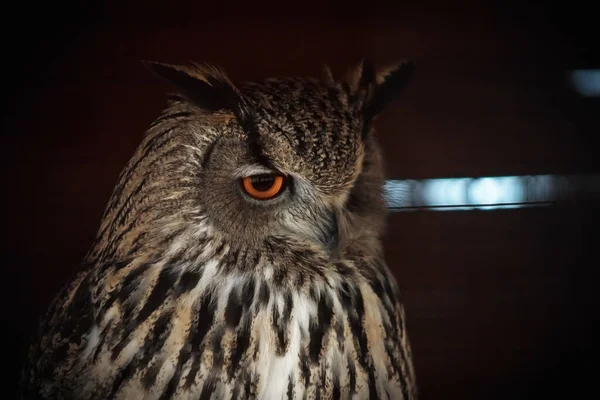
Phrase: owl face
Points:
(290, 170)
(287, 158)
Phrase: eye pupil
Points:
(263, 186)
(262, 183)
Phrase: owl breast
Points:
(208, 333)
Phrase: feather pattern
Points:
(172, 303)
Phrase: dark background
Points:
(501, 304)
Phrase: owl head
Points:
(288, 159)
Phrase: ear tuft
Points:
(389, 83)
(360, 76)
(327, 75)
(374, 89)
(371, 91)
(206, 86)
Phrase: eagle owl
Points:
(240, 255)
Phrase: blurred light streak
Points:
(489, 193)
(586, 82)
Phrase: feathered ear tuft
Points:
(375, 89)
(360, 78)
(327, 76)
(389, 83)
(206, 86)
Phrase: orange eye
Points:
(263, 187)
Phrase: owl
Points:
(240, 254)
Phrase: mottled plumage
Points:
(194, 290)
